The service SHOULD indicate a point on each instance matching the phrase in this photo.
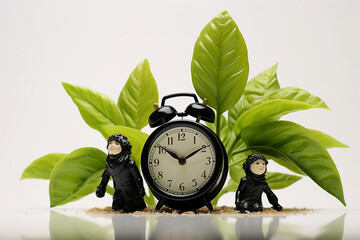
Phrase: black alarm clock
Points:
(183, 162)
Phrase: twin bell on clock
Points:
(183, 162)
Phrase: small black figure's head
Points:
(118, 144)
(255, 164)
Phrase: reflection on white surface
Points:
(65, 227)
(76, 224)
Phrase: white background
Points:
(98, 43)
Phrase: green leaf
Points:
(90, 187)
(138, 96)
(301, 147)
(109, 189)
(239, 153)
(288, 93)
(150, 199)
(295, 94)
(220, 66)
(95, 108)
(136, 138)
(269, 110)
(328, 141)
(279, 157)
(236, 166)
(276, 104)
(76, 175)
(261, 85)
(280, 180)
(42, 167)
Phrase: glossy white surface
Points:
(76, 224)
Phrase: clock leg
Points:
(208, 204)
(160, 204)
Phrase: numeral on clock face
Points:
(162, 150)
(194, 183)
(181, 160)
(208, 160)
(170, 182)
(181, 136)
(157, 162)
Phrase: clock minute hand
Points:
(194, 152)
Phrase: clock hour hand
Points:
(194, 152)
(174, 155)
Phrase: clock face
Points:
(181, 160)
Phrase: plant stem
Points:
(218, 119)
(233, 145)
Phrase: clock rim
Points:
(207, 191)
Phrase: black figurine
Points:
(128, 184)
(251, 187)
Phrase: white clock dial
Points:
(181, 160)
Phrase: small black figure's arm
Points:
(273, 200)
(238, 193)
(138, 179)
(100, 191)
